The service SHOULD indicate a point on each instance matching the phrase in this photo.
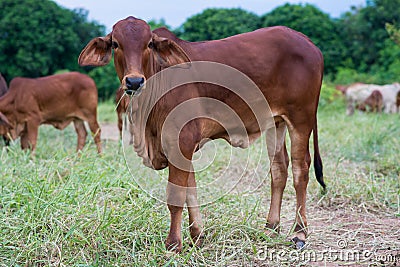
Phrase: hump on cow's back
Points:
(17, 82)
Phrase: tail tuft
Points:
(318, 171)
(317, 159)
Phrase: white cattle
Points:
(358, 93)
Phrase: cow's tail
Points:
(317, 159)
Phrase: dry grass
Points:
(61, 209)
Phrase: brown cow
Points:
(57, 100)
(373, 103)
(285, 68)
(3, 86)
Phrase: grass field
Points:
(61, 209)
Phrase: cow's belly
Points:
(242, 141)
(60, 124)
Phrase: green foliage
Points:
(387, 67)
(40, 37)
(385, 70)
(393, 32)
(363, 31)
(348, 75)
(154, 24)
(311, 21)
(106, 80)
(329, 96)
(217, 23)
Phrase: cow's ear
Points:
(168, 52)
(97, 52)
(4, 121)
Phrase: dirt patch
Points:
(354, 229)
(109, 131)
(340, 237)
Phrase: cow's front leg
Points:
(195, 221)
(29, 136)
(176, 198)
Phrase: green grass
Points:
(64, 209)
(361, 156)
(106, 111)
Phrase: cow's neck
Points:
(142, 117)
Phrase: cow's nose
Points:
(133, 84)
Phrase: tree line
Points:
(39, 38)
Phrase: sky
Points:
(175, 12)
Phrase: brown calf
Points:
(57, 100)
(373, 103)
(279, 66)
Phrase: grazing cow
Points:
(358, 93)
(373, 103)
(285, 69)
(3, 86)
(57, 100)
(122, 102)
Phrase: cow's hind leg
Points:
(81, 132)
(96, 131)
(300, 157)
(195, 221)
(279, 172)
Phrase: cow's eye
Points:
(151, 45)
(114, 45)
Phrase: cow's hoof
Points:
(197, 240)
(299, 244)
(174, 245)
(271, 233)
(272, 230)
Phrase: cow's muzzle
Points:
(134, 85)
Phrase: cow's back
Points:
(57, 96)
(283, 63)
(360, 92)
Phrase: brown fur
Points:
(285, 66)
(373, 103)
(57, 100)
